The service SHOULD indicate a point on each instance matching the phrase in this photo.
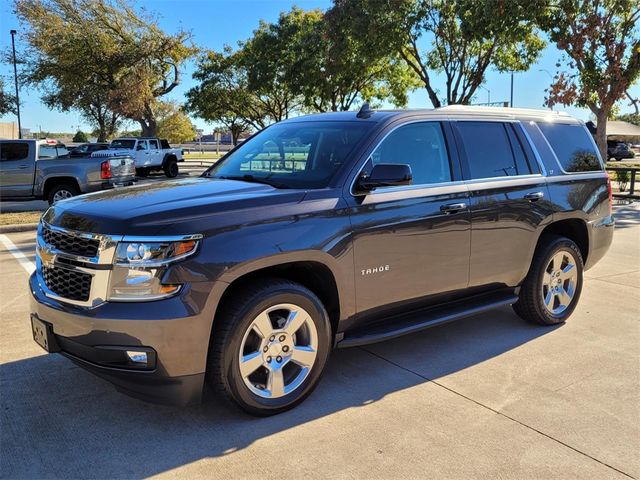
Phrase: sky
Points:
(215, 23)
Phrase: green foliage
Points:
(80, 137)
(102, 58)
(7, 101)
(623, 177)
(629, 117)
(173, 123)
(465, 38)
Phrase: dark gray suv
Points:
(322, 231)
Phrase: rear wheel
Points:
(171, 169)
(269, 350)
(62, 192)
(551, 291)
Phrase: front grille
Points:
(67, 283)
(84, 247)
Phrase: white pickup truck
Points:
(150, 154)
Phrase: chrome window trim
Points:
(553, 152)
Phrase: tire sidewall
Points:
(172, 170)
(558, 245)
(58, 188)
(231, 369)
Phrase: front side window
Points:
(14, 151)
(421, 146)
(572, 145)
(293, 155)
(490, 152)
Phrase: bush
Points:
(623, 177)
(80, 137)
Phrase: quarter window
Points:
(421, 146)
(572, 145)
(490, 151)
(14, 151)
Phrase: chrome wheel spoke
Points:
(559, 282)
(250, 363)
(557, 260)
(296, 319)
(548, 299)
(303, 356)
(564, 298)
(276, 383)
(569, 270)
(546, 278)
(262, 325)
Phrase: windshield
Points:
(293, 155)
(126, 144)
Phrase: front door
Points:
(16, 168)
(411, 243)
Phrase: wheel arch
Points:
(167, 158)
(574, 229)
(51, 182)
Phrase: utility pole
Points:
(511, 102)
(15, 74)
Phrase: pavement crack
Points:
(497, 412)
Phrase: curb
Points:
(24, 227)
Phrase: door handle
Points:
(23, 167)
(453, 207)
(534, 196)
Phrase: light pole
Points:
(488, 94)
(550, 76)
(511, 101)
(15, 74)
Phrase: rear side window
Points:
(14, 151)
(572, 145)
(421, 146)
(490, 150)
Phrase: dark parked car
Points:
(323, 231)
(86, 149)
(619, 150)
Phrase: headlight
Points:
(139, 267)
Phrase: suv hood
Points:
(179, 207)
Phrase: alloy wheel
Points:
(278, 351)
(559, 282)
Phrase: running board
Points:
(404, 324)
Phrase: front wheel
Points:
(552, 288)
(270, 347)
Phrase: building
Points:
(8, 130)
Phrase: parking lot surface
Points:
(486, 397)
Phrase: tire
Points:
(546, 284)
(171, 169)
(254, 386)
(62, 191)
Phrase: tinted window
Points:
(153, 144)
(490, 152)
(422, 147)
(47, 151)
(572, 145)
(293, 155)
(14, 151)
(126, 144)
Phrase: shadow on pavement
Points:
(626, 216)
(60, 421)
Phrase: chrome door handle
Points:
(453, 207)
(534, 196)
(23, 167)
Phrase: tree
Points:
(466, 37)
(102, 58)
(173, 123)
(601, 40)
(223, 95)
(7, 101)
(80, 137)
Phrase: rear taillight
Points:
(105, 170)
(610, 194)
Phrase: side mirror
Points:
(385, 175)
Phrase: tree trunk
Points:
(148, 122)
(601, 132)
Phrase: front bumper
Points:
(177, 330)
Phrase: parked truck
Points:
(150, 154)
(43, 169)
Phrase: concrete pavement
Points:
(486, 397)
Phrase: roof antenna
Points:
(365, 111)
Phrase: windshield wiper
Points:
(252, 179)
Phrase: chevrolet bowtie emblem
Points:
(46, 256)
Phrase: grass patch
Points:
(203, 156)
(19, 218)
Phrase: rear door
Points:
(408, 247)
(17, 168)
(509, 200)
(154, 152)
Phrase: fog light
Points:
(137, 357)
